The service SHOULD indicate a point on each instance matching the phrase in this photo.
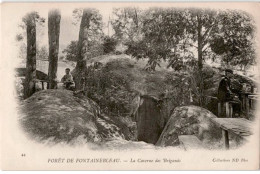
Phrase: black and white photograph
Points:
(146, 86)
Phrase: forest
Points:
(148, 75)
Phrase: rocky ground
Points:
(190, 120)
(59, 116)
(105, 115)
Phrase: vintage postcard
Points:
(130, 86)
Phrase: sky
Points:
(69, 31)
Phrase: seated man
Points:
(67, 79)
(225, 93)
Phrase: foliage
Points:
(94, 36)
(136, 49)
(70, 51)
(29, 18)
(42, 53)
(117, 83)
(95, 30)
(19, 37)
(235, 39)
(127, 23)
(183, 35)
(94, 49)
(109, 44)
(188, 37)
(109, 90)
(32, 17)
(90, 32)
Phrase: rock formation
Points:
(60, 116)
(189, 120)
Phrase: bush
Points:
(95, 48)
(109, 44)
(109, 90)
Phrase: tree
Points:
(109, 44)
(90, 27)
(41, 53)
(162, 36)
(200, 27)
(188, 37)
(127, 24)
(30, 21)
(234, 42)
(164, 31)
(71, 51)
(94, 48)
(53, 33)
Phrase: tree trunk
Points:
(200, 61)
(79, 76)
(54, 33)
(136, 18)
(30, 78)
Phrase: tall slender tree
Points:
(201, 26)
(54, 18)
(82, 49)
(30, 23)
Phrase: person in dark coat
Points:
(224, 89)
(226, 93)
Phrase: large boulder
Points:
(109, 126)
(57, 115)
(60, 116)
(189, 120)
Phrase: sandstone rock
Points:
(124, 126)
(189, 120)
(56, 114)
(59, 116)
(113, 126)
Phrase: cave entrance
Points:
(150, 122)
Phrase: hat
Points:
(229, 70)
(67, 69)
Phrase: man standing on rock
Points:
(67, 79)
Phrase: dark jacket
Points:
(224, 90)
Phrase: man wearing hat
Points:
(224, 89)
(225, 94)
